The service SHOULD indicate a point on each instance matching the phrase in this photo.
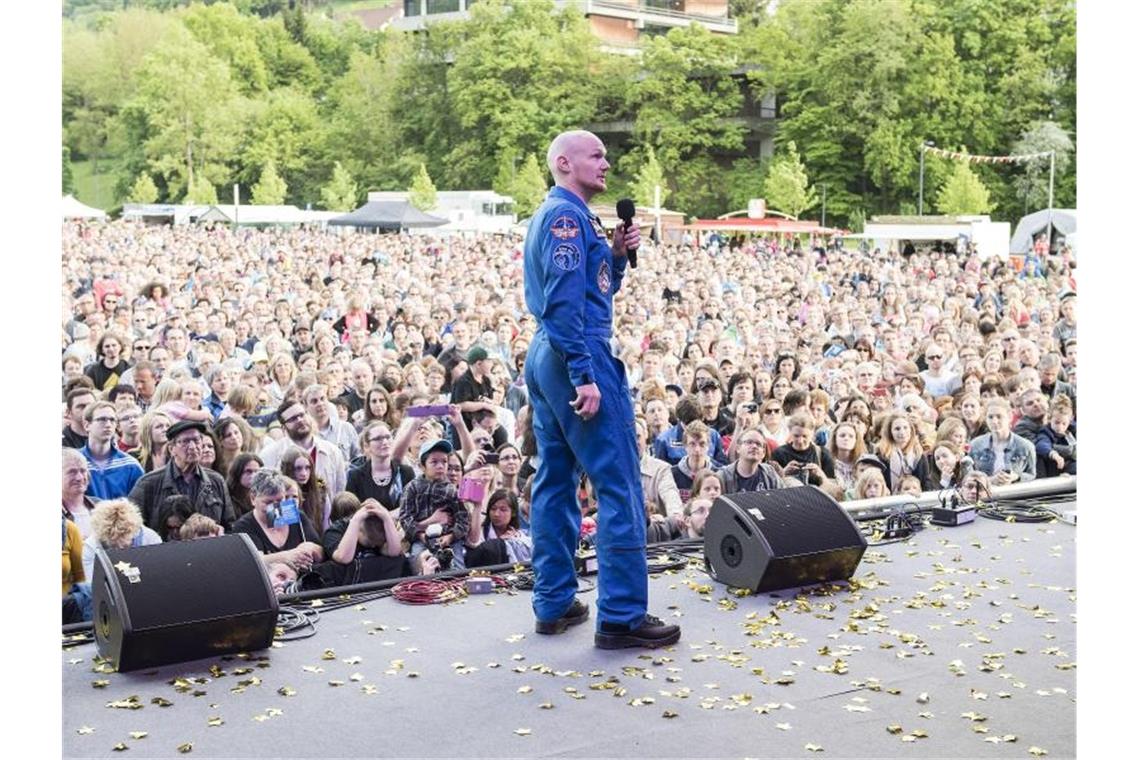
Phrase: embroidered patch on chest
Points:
(604, 278)
(564, 228)
(567, 257)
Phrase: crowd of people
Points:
(355, 403)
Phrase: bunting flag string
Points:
(976, 159)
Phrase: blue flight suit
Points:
(569, 277)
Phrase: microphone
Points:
(626, 210)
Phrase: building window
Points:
(669, 5)
(411, 7)
(442, 6)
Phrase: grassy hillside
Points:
(93, 189)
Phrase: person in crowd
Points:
(75, 431)
(115, 524)
(363, 379)
(845, 446)
(154, 444)
(315, 501)
(871, 484)
(366, 546)
(76, 587)
(431, 515)
(900, 450)
(234, 437)
(291, 542)
(299, 427)
(657, 484)
(749, 471)
(494, 536)
(378, 406)
(1034, 410)
(383, 475)
(130, 429)
(184, 474)
(106, 372)
(800, 458)
(1056, 442)
(949, 470)
(1002, 455)
(696, 458)
(210, 452)
(199, 526)
(508, 467)
(112, 473)
(696, 514)
(170, 516)
(77, 505)
(238, 477)
(911, 486)
(217, 377)
(976, 488)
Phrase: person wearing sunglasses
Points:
(937, 380)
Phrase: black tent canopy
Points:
(387, 215)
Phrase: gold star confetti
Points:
(336, 682)
(546, 706)
(161, 702)
(525, 690)
(355, 660)
(313, 669)
(668, 714)
(328, 655)
(894, 728)
(130, 703)
(84, 730)
(287, 691)
(813, 748)
(1038, 752)
(522, 731)
(120, 747)
(214, 722)
(514, 638)
(187, 747)
(138, 734)
(100, 684)
(784, 726)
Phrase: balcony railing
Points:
(644, 12)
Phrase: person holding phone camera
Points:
(431, 515)
(268, 527)
(581, 408)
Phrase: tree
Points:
(270, 188)
(530, 187)
(963, 193)
(648, 178)
(504, 181)
(341, 193)
(786, 187)
(68, 176)
(144, 190)
(183, 114)
(422, 193)
(1033, 183)
(201, 191)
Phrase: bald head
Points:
(577, 161)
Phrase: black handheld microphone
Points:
(625, 211)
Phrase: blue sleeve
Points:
(620, 263)
(1044, 444)
(564, 289)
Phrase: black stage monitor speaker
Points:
(179, 601)
(769, 540)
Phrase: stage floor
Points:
(956, 643)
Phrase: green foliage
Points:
(963, 193)
(270, 188)
(786, 186)
(422, 193)
(143, 191)
(341, 193)
(649, 177)
(1033, 183)
(68, 175)
(201, 190)
(529, 188)
(177, 89)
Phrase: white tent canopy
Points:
(73, 209)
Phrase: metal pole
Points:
(657, 212)
(921, 174)
(1052, 172)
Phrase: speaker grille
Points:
(798, 520)
(191, 580)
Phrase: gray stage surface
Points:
(956, 643)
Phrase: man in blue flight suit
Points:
(581, 409)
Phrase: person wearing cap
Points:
(430, 500)
(302, 340)
(183, 474)
(581, 409)
(473, 390)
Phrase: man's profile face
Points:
(585, 158)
